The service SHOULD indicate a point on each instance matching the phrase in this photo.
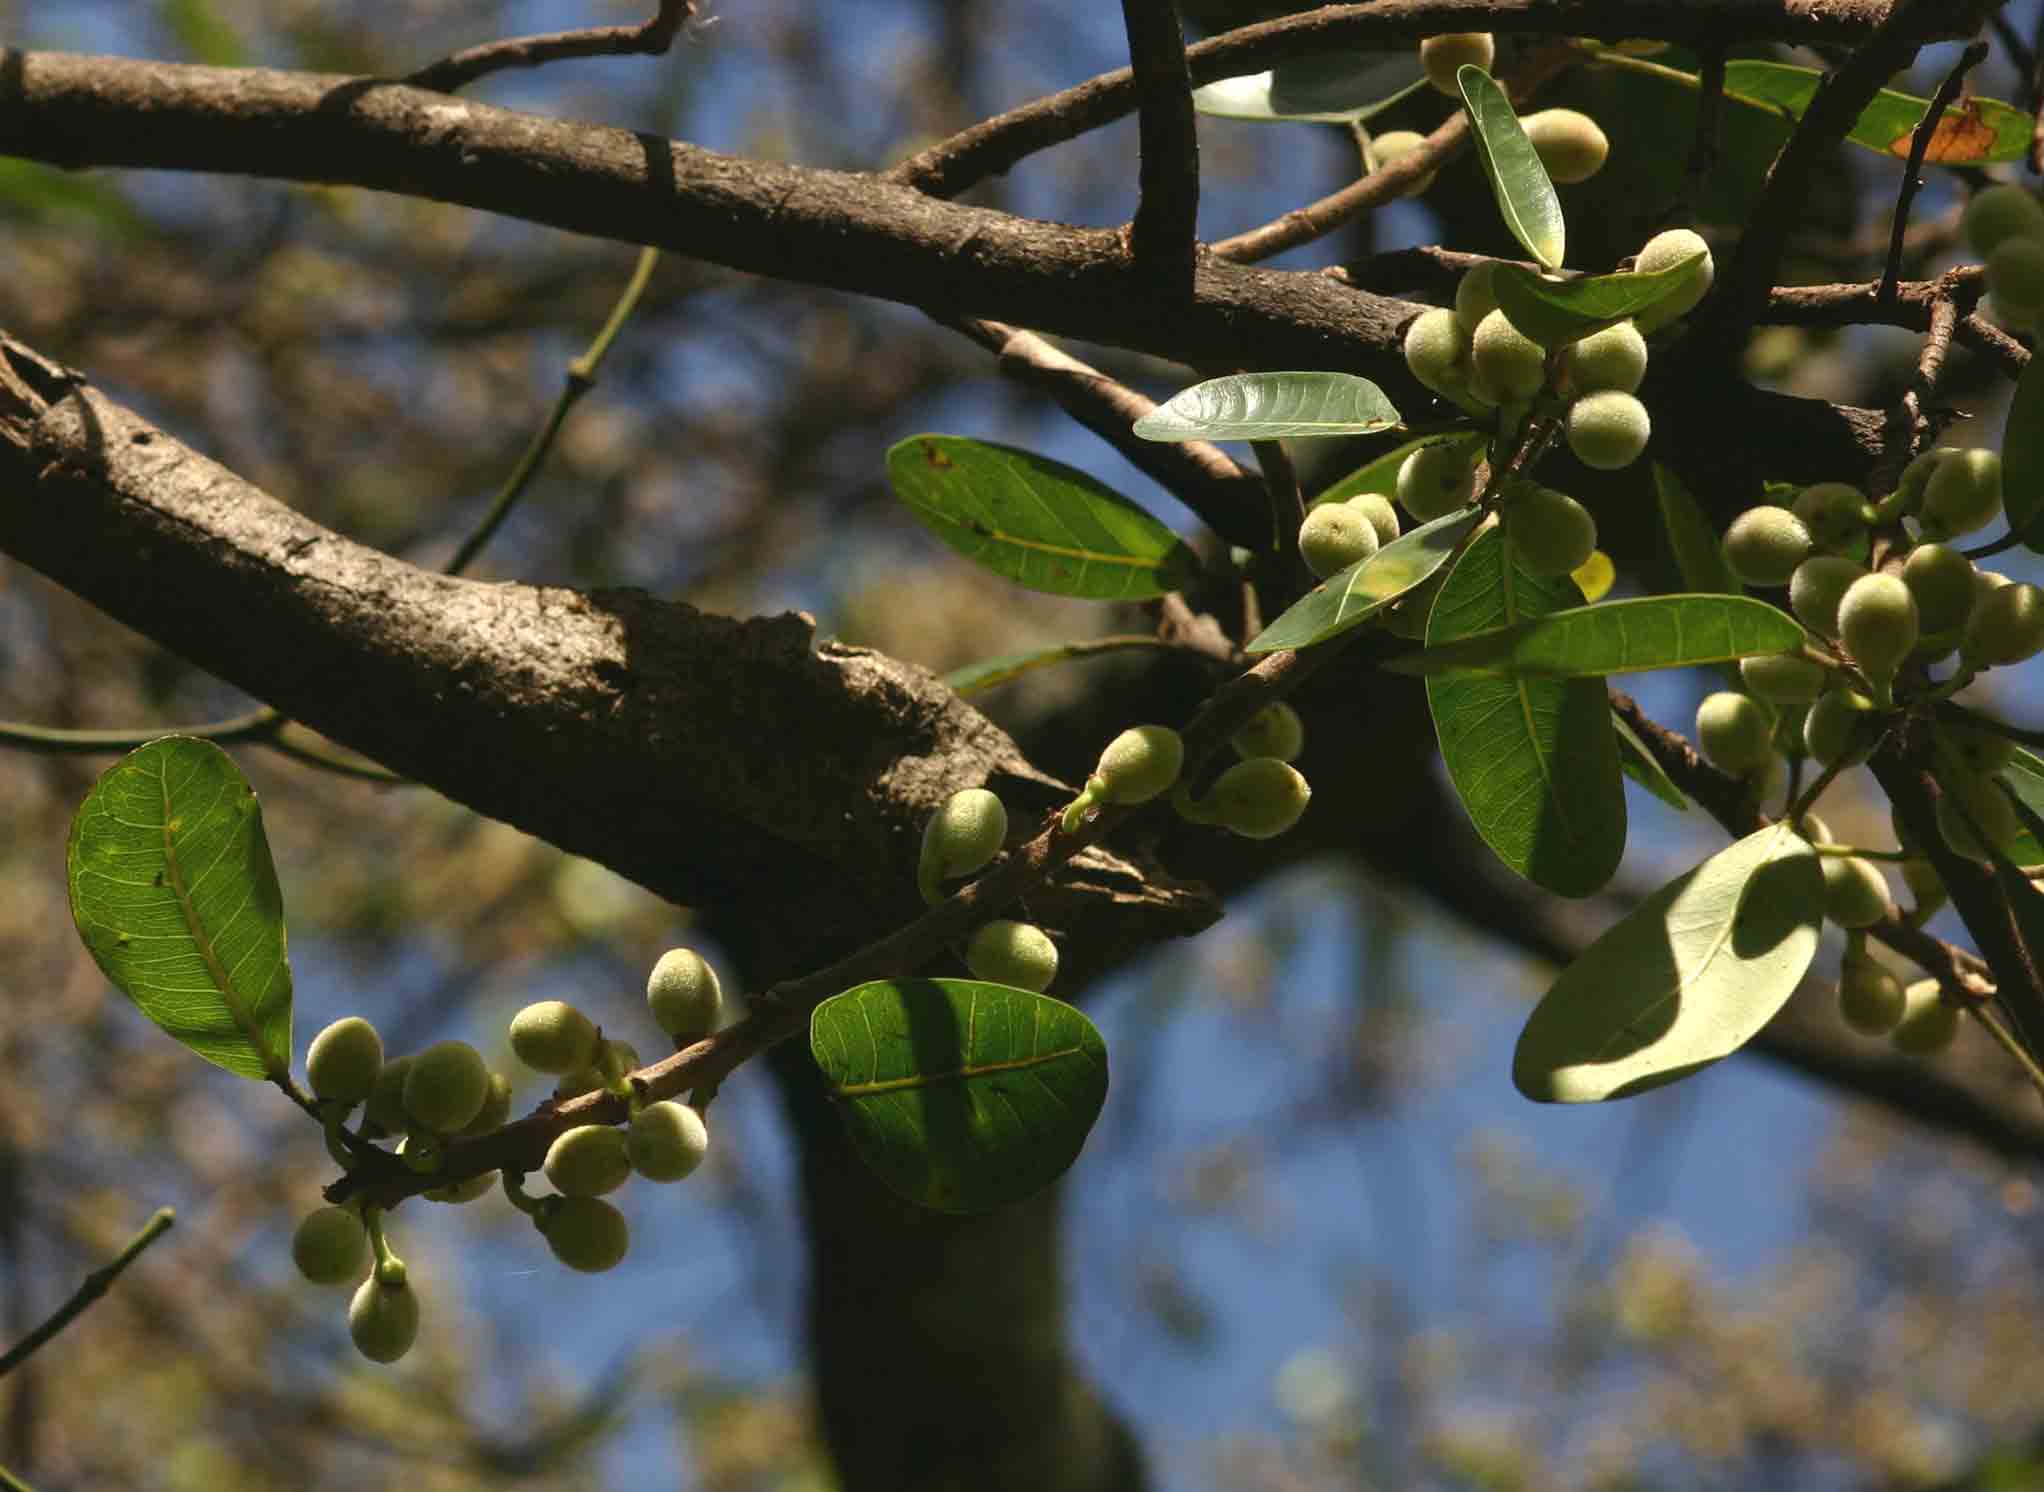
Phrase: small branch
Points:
(1703, 150)
(465, 67)
(1910, 307)
(1912, 173)
(1164, 238)
(256, 725)
(1287, 503)
(96, 1284)
(1910, 425)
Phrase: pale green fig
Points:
(1570, 145)
(1475, 297)
(683, 992)
(1665, 251)
(1784, 678)
(383, 1320)
(960, 838)
(1929, 1022)
(1275, 730)
(1734, 733)
(1837, 515)
(457, 1192)
(587, 1161)
(2015, 277)
(1437, 353)
(1435, 481)
(1855, 891)
(495, 1110)
(585, 1233)
(1941, 579)
(1376, 507)
(343, 1061)
(1962, 495)
(1549, 531)
(1819, 584)
(1392, 146)
(1870, 998)
(1608, 430)
(2007, 626)
(331, 1246)
(1445, 55)
(667, 1141)
(1140, 763)
(1833, 726)
(1016, 953)
(1615, 359)
(1998, 213)
(1506, 360)
(1258, 799)
(1765, 544)
(447, 1086)
(1333, 537)
(1878, 624)
(385, 1106)
(553, 1036)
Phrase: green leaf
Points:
(205, 34)
(2022, 457)
(1380, 474)
(1690, 975)
(1268, 406)
(1350, 597)
(1343, 88)
(1534, 759)
(174, 893)
(978, 678)
(1631, 636)
(1971, 132)
(963, 1096)
(30, 189)
(1517, 179)
(1699, 554)
(1036, 521)
(1555, 312)
(2025, 778)
(1639, 764)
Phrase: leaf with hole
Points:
(1686, 978)
(176, 898)
(1345, 88)
(1631, 636)
(1037, 522)
(963, 1096)
(1556, 312)
(1350, 597)
(1525, 196)
(1271, 406)
(2022, 457)
(1971, 132)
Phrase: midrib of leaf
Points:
(1540, 754)
(1135, 561)
(958, 1074)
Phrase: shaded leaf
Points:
(1639, 764)
(1269, 406)
(1344, 88)
(1524, 195)
(1035, 521)
(1554, 312)
(176, 898)
(1380, 473)
(2022, 457)
(963, 1096)
(1630, 636)
(1350, 597)
(2024, 776)
(978, 678)
(1699, 555)
(1534, 760)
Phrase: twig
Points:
(2034, 81)
(256, 725)
(1912, 173)
(1909, 424)
(96, 1284)
(1287, 502)
(1163, 238)
(1703, 150)
(652, 38)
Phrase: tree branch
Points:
(652, 38)
(1164, 238)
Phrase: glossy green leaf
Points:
(1659, 106)
(1036, 521)
(1380, 473)
(978, 678)
(2022, 457)
(1350, 597)
(1534, 759)
(1631, 636)
(1639, 764)
(2025, 778)
(1699, 553)
(1341, 88)
(963, 1096)
(1687, 977)
(1555, 312)
(1512, 166)
(1271, 406)
(175, 896)
(1971, 132)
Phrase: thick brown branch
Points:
(1164, 238)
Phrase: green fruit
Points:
(1819, 584)
(589, 1079)
(1436, 480)
(1832, 728)
(447, 1087)
(668, 1141)
(1376, 507)
(1815, 830)
(1916, 476)
(1608, 430)
(960, 838)
(1476, 296)
(1765, 544)
(343, 1060)
(1929, 1022)
(1507, 361)
(1443, 56)
(1784, 678)
(2007, 626)
(1333, 537)
(587, 1161)
(1615, 358)
(1275, 730)
(1665, 251)
(383, 1320)
(1140, 763)
(1551, 532)
(553, 1036)
(1926, 887)
(1014, 953)
(1989, 808)
(1962, 495)
(1789, 718)
(1836, 514)
(385, 1106)
(1981, 750)
(331, 1246)
(1735, 733)
(585, 1233)
(2015, 278)
(495, 1110)
(1870, 998)
(2000, 212)
(1941, 579)
(1437, 353)
(1877, 622)
(1570, 145)
(457, 1192)
(1258, 799)
(1855, 891)
(683, 992)
(1393, 145)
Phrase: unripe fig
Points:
(343, 1060)
(1436, 480)
(1437, 353)
(331, 1246)
(1789, 717)
(1394, 144)
(1836, 515)
(1998, 213)
(1551, 532)
(457, 1192)
(587, 1161)
(1665, 251)
(1376, 507)
(1140, 763)
(553, 1036)
(1608, 430)
(1570, 145)
(1832, 728)
(383, 1320)
(2007, 626)
(1475, 296)
(1877, 623)
(1784, 678)
(1929, 1022)
(1443, 56)
(385, 1106)
(1819, 584)
(1333, 537)
(1275, 730)
(1734, 733)
(960, 838)
(585, 1233)
(1506, 359)
(1926, 888)
(1765, 544)
(589, 1079)
(1815, 830)
(668, 1141)
(1963, 494)
(1017, 953)
(1989, 807)
(2015, 277)
(495, 1110)
(1941, 579)
(683, 992)
(1259, 799)
(1615, 358)
(1855, 891)
(1870, 998)
(1982, 751)
(447, 1086)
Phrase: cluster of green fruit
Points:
(447, 1092)
(961, 839)
(2004, 224)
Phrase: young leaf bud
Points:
(1615, 358)
(1475, 297)
(668, 1141)
(1819, 584)
(1929, 1022)
(2007, 626)
(1275, 730)
(585, 1233)
(1551, 532)
(383, 1320)
(1989, 807)
(1333, 537)
(2015, 278)
(1570, 145)
(1443, 56)
(2001, 212)
(1869, 997)
(385, 1106)
(587, 1161)
(1140, 763)
(1436, 480)
(1855, 891)
(1506, 360)
(1437, 353)
(1376, 507)
(1784, 678)
(447, 1086)
(1665, 251)
(1259, 799)
(1608, 430)
(960, 838)
(1765, 544)
(457, 1192)
(1941, 579)
(1016, 953)
(1832, 728)
(1877, 623)
(1394, 144)
(1836, 514)
(331, 1246)
(495, 1110)
(343, 1060)
(1734, 733)
(1962, 495)
(553, 1036)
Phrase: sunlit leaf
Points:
(1342, 88)
(1639, 764)
(2022, 457)
(1699, 554)
(1631, 636)
(1689, 976)
(1555, 312)
(1350, 597)
(962, 1096)
(1270, 406)
(176, 898)
(1971, 132)
(1595, 576)
(1517, 179)
(1036, 521)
